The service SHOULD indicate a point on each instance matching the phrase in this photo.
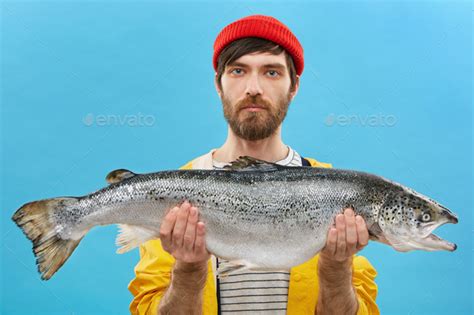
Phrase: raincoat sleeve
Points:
(152, 278)
(363, 279)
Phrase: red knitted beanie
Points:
(265, 27)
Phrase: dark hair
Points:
(249, 45)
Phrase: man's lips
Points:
(253, 108)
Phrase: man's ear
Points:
(295, 88)
(216, 84)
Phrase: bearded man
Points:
(258, 63)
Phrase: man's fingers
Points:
(200, 243)
(362, 232)
(190, 233)
(180, 225)
(166, 228)
(351, 231)
(331, 242)
(341, 235)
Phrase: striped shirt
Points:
(255, 292)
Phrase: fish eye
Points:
(426, 217)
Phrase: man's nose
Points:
(253, 85)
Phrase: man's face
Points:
(256, 94)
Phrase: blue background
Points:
(387, 88)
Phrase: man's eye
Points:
(273, 73)
(236, 71)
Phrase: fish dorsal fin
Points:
(119, 175)
(247, 163)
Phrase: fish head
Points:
(407, 219)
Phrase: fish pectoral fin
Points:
(375, 231)
(376, 234)
(234, 266)
(131, 236)
(118, 175)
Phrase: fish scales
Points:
(262, 211)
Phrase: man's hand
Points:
(183, 236)
(347, 237)
(336, 292)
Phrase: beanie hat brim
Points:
(265, 27)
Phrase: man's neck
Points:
(270, 149)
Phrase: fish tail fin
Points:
(51, 251)
(131, 236)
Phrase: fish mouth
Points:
(447, 215)
(430, 243)
(434, 242)
(437, 243)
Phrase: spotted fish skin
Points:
(263, 215)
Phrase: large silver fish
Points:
(259, 214)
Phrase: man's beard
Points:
(257, 125)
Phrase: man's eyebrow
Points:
(275, 65)
(237, 64)
(269, 65)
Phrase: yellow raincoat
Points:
(153, 273)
